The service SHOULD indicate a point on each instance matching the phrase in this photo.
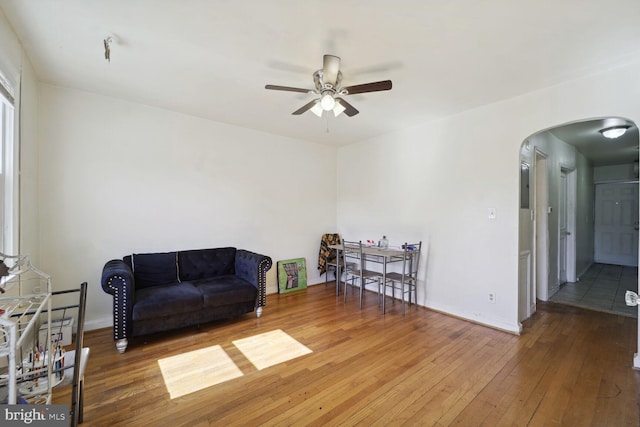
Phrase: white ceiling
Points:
(212, 58)
(586, 137)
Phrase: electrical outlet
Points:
(492, 298)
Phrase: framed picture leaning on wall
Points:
(292, 275)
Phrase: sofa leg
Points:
(121, 345)
(259, 312)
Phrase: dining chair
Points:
(355, 268)
(407, 280)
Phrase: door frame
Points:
(571, 201)
(540, 258)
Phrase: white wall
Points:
(585, 233)
(440, 178)
(615, 173)
(11, 52)
(118, 177)
(29, 151)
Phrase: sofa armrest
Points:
(253, 268)
(117, 280)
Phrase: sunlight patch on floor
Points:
(270, 348)
(196, 370)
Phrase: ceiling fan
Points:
(327, 85)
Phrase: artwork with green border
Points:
(292, 275)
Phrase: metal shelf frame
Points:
(25, 294)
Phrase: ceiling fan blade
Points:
(288, 89)
(305, 107)
(349, 109)
(330, 69)
(368, 87)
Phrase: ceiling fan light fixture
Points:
(327, 102)
(614, 131)
(338, 109)
(317, 109)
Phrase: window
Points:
(8, 193)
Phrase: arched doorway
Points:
(561, 168)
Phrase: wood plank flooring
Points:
(569, 367)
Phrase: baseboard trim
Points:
(499, 326)
(584, 271)
(503, 327)
(92, 325)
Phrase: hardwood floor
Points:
(569, 367)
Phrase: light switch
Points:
(492, 213)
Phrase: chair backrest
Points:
(411, 259)
(352, 256)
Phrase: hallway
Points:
(601, 288)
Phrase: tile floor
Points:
(601, 288)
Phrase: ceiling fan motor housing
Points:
(318, 80)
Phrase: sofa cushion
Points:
(153, 269)
(166, 300)
(205, 263)
(225, 290)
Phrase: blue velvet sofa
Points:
(156, 292)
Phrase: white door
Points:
(562, 238)
(616, 224)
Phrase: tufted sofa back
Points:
(205, 263)
(153, 269)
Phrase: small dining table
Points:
(371, 253)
